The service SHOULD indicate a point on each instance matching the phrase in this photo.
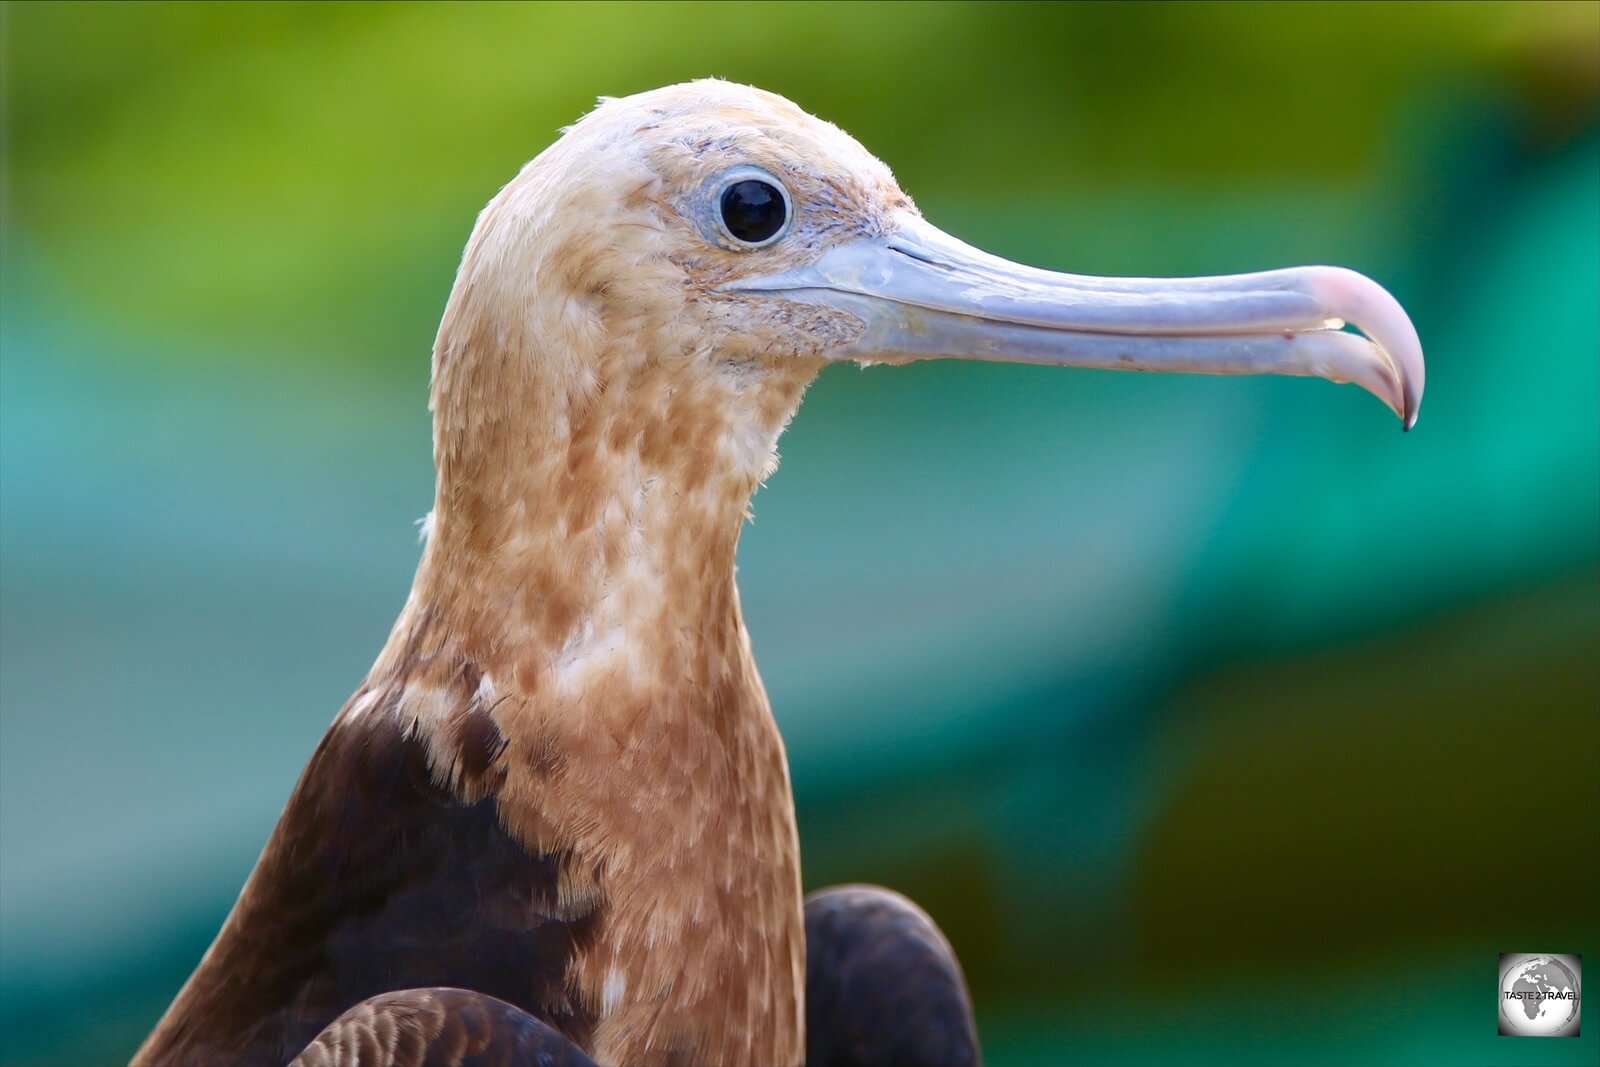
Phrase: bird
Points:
(554, 823)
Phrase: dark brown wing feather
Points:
(375, 880)
(439, 1028)
(883, 988)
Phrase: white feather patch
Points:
(427, 707)
(611, 995)
(361, 705)
(486, 690)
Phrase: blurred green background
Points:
(1216, 720)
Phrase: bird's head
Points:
(710, 246)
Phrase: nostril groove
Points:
(918, 256)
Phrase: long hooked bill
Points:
(923, 294)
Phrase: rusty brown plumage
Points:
(569, 689)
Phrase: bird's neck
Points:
(594, 531)
(578, 591)
(565, 569)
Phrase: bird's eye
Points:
(754, 211)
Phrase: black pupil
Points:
(752, 210)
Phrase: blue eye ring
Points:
(752, 209)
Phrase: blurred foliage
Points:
(1214, 720)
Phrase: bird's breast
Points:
(676, 806)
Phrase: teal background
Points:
(1216, 720)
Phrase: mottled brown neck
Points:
(580, 574)
(568, 508)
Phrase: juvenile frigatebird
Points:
(554, 823)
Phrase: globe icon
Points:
(1539, 997)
